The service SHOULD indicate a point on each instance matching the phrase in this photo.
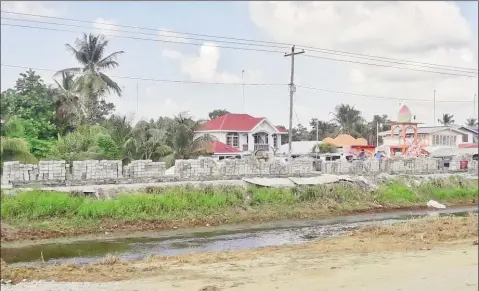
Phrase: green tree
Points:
(323, 148)
(447, 119)
(300, 133)
(86, 143)
(348, 118)
(92, 82)
(217, 113)
(325, 129)
(13, 144)
(182, 141)
(146, 142)
(32, 100)
(471, 122)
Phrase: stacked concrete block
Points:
(146, 169)
(52, 171)
(96, 170)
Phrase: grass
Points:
(59, 211)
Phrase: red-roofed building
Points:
(242, 132)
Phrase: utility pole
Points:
(291, 92)
(137, 102)
(377, 133)
(242, 79)
(317, 138)
(434, 106)
(474, 105)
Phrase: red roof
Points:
(219, 147)
(234, 122)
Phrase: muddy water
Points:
(138, 247)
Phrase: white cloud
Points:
(106, 27)
(428, 32)
(203, 66)
(31, 7)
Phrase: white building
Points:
(432, 138)
(242, 133)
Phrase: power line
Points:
(381, 97)
(236, 48)
(255, 84)
(398, 61)
(386, 66)
(144, 33)
(158, 80)
(282, 44)
(147, 39)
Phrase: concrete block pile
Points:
(144, 169)
(52, 170)
(97, 170)
(196, 168)
(44, 171)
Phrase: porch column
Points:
(250, 142)
(270, 142)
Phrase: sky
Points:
(439, 32)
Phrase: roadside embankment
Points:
(38, 214)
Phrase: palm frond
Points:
(79, 55)
(111, 84)
(109, 61)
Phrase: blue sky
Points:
(45, 49)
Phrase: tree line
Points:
(71, 119)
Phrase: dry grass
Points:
(413, 235)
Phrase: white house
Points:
(433, 137)
(242, 133)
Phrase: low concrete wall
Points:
(399, 166)
(59, 173)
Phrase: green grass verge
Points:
(57, 210)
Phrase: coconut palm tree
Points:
(89, 52)
(146, 142)
(447, 119)
(68, 101)
(472, 122)
(347, 118)
(182, 141)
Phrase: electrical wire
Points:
(255, 84)
(158, 80)
(147, 39)
(383, 97)
(281, 44)
(238, 48)
(386, 66)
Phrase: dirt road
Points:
(451, 268)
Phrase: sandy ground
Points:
(451, 268)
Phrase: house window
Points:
(266, 139)
(232, 139)
(465, 138)
(275, 140)
(454, 140)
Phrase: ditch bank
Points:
(138, 246)
(37, 215)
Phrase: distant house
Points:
(241, 133)
(434, 137)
